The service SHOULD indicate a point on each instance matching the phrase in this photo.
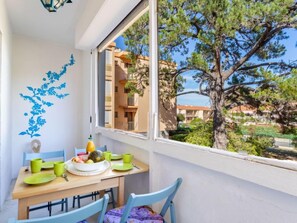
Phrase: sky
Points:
(190, 85)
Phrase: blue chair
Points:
(74, 216)
(136, 209)
(57, 155)
(93, 194)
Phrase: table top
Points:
(23, 190)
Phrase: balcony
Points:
(219, 186)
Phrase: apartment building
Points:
(123, 110)
(191, 112)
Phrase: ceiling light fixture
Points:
(53, 5)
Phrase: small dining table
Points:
(59, 188)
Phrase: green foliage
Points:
(269, 131)
(237, 143)
(180, 118)
(201, 133)
(260, 143)
(235, 58)
(253, 145)
(179, 137)
(200, 137)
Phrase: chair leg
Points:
(73, 201)
(62, 204)
(112, 198)
(66, 204)
(50, 208)
(78, 201)
(64, 201)
(172, 212)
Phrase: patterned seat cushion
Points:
(143, 214)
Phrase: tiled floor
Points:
(10, 210)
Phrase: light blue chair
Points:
(93, 194)
(56, 155)
(75, 215)
(136, 209)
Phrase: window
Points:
(127, 90)
(129, 78)
(242, 112)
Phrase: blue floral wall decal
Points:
(38, 97)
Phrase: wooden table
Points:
(29, 195)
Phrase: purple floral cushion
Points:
(143, 214)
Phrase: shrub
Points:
(237, 143)
(179, 137)
(199, 137)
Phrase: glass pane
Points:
(226, 84)
(127, 72)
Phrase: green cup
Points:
(107, 155)
(59, 168)
(127, 158)
(35, 165)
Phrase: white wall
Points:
(32, 58)
(216, 187)
(5, 75)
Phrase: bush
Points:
(253, 145)
(237, 143)
(179, 137)
(198, 137)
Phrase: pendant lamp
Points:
(54, 5)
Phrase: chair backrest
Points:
(45, 155)
(75, 215)
(151, 198)
(77, 151)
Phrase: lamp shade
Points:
(53, 5)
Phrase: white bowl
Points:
(86, 167)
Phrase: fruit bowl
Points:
(87, 167)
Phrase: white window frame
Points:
(254, 169)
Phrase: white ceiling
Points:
(30, 18)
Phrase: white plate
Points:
(71, 169)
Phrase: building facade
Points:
(192, 112)
(125, 111)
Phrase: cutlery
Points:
(64, 175)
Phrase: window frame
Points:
(102, 48)
(153, 133)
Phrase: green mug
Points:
(59, 168)
(127, 158)
(35, 165)
(107, 155)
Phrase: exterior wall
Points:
(109, 96)
(64, 120)
(121, 98)
(141, 108)
(5, 109)
(191, 113)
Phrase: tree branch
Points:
(261, 65)
(192, 92)
(268, 34)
